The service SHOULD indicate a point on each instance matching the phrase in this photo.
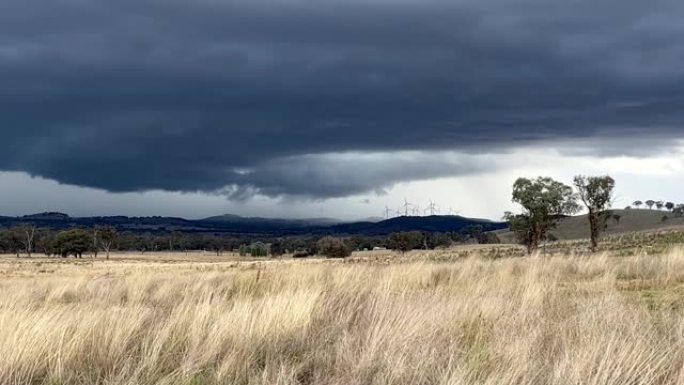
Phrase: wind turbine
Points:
(416, 210)
(406, 206)
(388, 212)
(432, 208)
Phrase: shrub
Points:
(72, 242)
(301, 253)
(256, 249)
(489, 238)
(332, 247)
(405, 241)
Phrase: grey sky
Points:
(314, 100)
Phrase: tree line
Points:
(676, 208)
(30, 239)
(27, 239)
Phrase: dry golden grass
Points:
(558, 320)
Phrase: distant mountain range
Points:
(289, 223)
(259, 226)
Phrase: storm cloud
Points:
(325, 98)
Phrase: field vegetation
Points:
(543, 311)
(455, 316)
(620, 223)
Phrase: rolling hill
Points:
(258, 226)
(577, 227)
(433, 223)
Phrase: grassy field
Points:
(374, 319)
(634, 220)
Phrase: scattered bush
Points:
(405, 241)
(301, 253)
(72, 242)
(332, 247)
(489, 238)
(256, 249)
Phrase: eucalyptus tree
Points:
(596, 192)
(107, 236)
(543, 201)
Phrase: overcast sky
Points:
(309, 108)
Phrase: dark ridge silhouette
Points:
(266, 226)
(433, 223)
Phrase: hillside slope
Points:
(433, 223)
(577, 227)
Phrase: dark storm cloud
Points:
(339, 175)
(259, 96)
